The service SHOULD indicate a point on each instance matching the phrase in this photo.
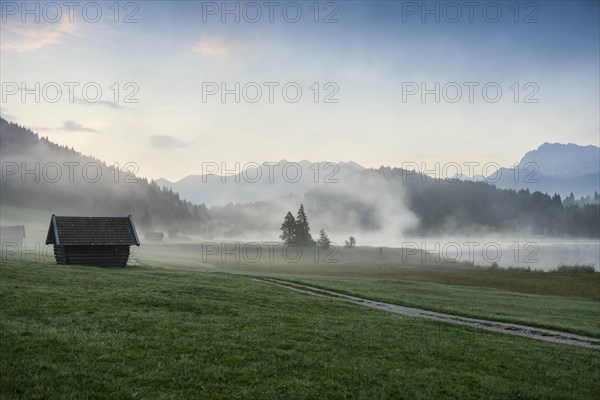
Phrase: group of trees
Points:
(571, 201)
(351, 242)
(297, 231)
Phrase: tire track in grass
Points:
(531, 332)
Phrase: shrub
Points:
(577, 268)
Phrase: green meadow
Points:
(568, 314)
(148, 332)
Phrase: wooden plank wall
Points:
(103, 256)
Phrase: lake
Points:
(533, 252)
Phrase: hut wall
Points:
(104, 256)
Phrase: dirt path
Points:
(502, 327)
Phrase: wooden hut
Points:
(154, 236)
(12, 234)
(101, 241)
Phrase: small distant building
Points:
(154, 236)
(99, 241)
(12, 234)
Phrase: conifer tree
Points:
(323, 241)
(303, 236)
(288, 229)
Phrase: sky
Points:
(172, 86)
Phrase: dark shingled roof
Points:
(92, 231)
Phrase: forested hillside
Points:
(39, 174)
(443, 206)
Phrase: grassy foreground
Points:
(568, 314)
(82, 332)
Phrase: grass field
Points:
(144, 332)
(568, 314)
(365, 262)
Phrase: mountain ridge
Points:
(268, 180)
(542, 169)
(564, 161)
(555, 168)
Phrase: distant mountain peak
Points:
(555, 168)
(564, 161)
(353, 164)
(547, 146)
(213, 189)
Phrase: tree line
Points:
(297, 231)
(464, 207)
(149, 204)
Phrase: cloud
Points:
(166, 141)
(222, 50)
(214, 47)
(7, 116)
(228, 51)
(105, 103)
(73, 126)
(21, 37)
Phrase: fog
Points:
(461, 221)
(366, 205)
(534, 252)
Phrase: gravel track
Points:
(494, 326)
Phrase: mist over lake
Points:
(538, 253)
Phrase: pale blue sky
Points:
(369, 53)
